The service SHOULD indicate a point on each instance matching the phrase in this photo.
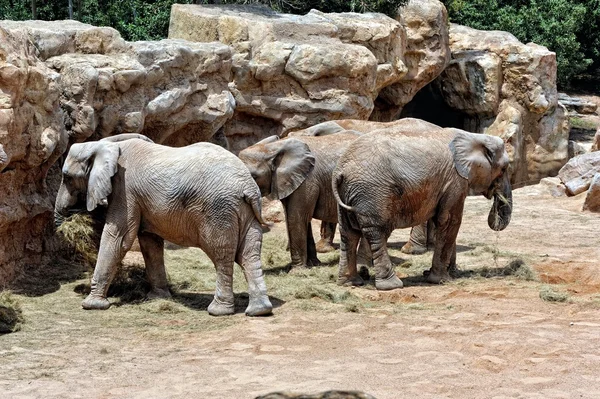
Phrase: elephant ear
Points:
(104, 156)
(474, 156)
(291, 165)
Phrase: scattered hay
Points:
(516, 268)
(11, 315)
(548, 294)
(78, 231)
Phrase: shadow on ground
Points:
(131, 286)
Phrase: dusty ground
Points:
(485, 335)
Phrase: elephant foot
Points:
(95, 303)
(158, 293)
(218, 308)
(313, 262)
(351, 281)
(324, 246)
(435, 278)
(259, 306)
(390, 283)
(413, 249)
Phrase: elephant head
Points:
(86, 175)
(483, 161)
(278, 166)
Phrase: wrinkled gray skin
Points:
(420, 237)
(200, 195)
(297, 171)
(414, 176)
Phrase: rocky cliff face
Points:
(32, 137)
(291, 72)
(236, 74)
(506, 88)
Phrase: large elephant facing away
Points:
(408, 174)
(200, 195)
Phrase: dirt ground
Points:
(485, 335)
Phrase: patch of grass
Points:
(516, 268)
(548, 294)
(11, 315)
(584, 124)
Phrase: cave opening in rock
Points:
(428, 104)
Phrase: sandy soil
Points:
(472, 338)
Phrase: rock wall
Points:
(63, 82)
(291, 72)
(506, 88)
(236, 74)
(32, 137)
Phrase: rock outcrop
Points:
(63, 82)
(592, 199)
(578, 173)
(32, 137)
(291, 72)
(504, 87)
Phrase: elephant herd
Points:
(369, 177)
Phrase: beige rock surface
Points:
(32, 137)
(508, 88)
(291, 72)
(578, 173)
(592, 198)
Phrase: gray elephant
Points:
(404, 176)
(200, 195)
(420, 236)
(297, 171)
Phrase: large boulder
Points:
(506, 88)
(578, 173)
(63, 82)
(32, 137)
(291, 72)
(592, 199)
(173, 91)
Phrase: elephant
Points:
(297, 170)
(200, 195)
(409, 174)
(420, 236)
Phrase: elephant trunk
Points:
(501, 211)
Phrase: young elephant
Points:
(404, 176)
(200, 195)
(298, 172)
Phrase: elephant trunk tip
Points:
(500, 214)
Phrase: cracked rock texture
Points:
(291, 72)
(506, 88)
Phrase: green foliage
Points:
(569, 28)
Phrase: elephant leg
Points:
(311, 250)
(114, 244)
(325, 244)
(223, 301)
(152, 247)
(417, 244)
(445, 245)
(349, 237)
(297, 224)
(452, 269)
(249, 258)
(385, 277)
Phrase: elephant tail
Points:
(337, 180)
(253, 199)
